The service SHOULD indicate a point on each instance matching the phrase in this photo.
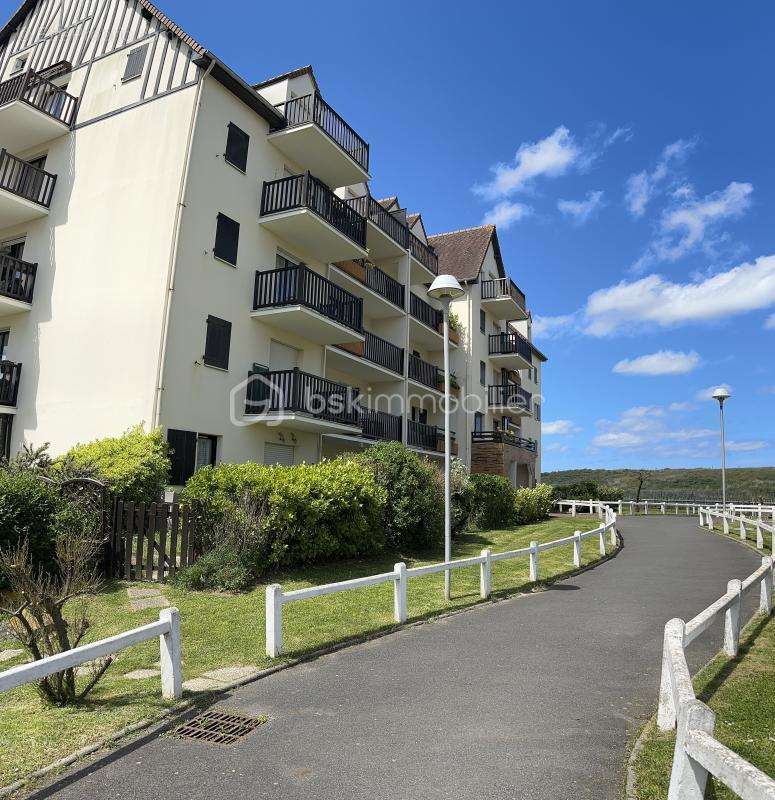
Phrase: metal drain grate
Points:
(218, 727)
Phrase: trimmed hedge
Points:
(135, 466)
(493, 501)
(533, 505)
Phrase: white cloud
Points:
(688, 435)
(663, 362)
(624, 133)
(582, 210)
(556, 447)
(643, 186)
(746, 447)
(550, 327)
(617, 439)
(655, 301)
(549, 157)
(506, 213)
(707, 394)
(645, 427)
(769, 323)
(559, 427)
(682, 406)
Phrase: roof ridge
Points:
(463, 230)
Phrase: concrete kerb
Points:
(210, 696)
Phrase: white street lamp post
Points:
(446, 288)
(721, 394)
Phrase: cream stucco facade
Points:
(185, 231)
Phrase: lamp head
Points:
(721, 394)
(445, 287)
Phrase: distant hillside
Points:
(747, 485)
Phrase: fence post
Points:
(710, 522)
(573, 509)
(620, 508)
(725, 522)
(399, 593)
(577, 549)
(666, 712)
(765, 601)
(169, 648)
(601, 541)
(274, 620)
(646, 509)
(743, 532)
(485, 574)
(702, 519)
(732, 620)
(533, 561)
(759, 536)
(663, 508)
(760, 511)
(632, 508)
(591, 508)
(688, 777)
(613, 533)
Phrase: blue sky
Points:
(626, 153)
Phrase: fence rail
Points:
(167, 628)
(729, 518)
(36, 91)
(276, 598)
(697, 753)
(25, 180)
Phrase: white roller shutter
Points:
(281, 454)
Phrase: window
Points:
(13, 248)
(285, 260)
(134, 63)
(19, 64)
(537, 411)
(482, 373)
(482, 320)
(6, 422)
(206, 447)
(217, 343)
(4, 335)
(280, 454)
(226, 239)
(478, 421)
(237, 142)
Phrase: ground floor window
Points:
(206, 448)
(6, 422)
(280, 454)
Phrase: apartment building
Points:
(182, 248)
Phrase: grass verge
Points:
(741, 691)
(228, 629)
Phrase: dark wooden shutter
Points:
(237, 142)
(217, 342)
(183, 455)
(226, 239)
(134, 63)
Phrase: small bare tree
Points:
(50, 612)
(640, 476)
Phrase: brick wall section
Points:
(488, 457)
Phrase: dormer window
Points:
(19, 64)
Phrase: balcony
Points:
(509, 399)
(303, 211)
(425, 262)
(300, 401)
(380, 425)
(427, 324)
(33, 111)
(510, 350)
(10, 373)
(504, 299)
(427, 376)
(25, 191)
(386, 236)
(299, 300)
(429, 438)
(386, 296)
(374, 359)
(504, 437)
(17, 282)
(315, 136)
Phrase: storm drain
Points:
(218, 727)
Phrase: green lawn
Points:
(224, 629)
(741, 691)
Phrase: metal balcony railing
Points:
(421, 435)
(424, 253)
(510, 343)
(26, 181)
(17, 278)
(509, 396)
(423, 372)
(368, 207)
(424, 312)
(504, 437)
(30, 88)
(503, 287)
(10, 373)
(380, 425)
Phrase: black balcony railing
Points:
(423, 372)
(30, 88)
(297, 392)
(368, 207)
(299, 285)
(424, 312)
(502, 344)
(503, 287)
(509, 396)
(24, 180)
(384, 353)
(504, 437)
(380, 425)
(307, 191)
(421, 435)
(313, 108)
(17, 278)
(9, 382)
(425, 254)
(383, 284)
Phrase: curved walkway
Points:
(530, 698)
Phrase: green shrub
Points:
(29, 507)
(493, 501)
(533, 505)
(135, 466)
(222, 569)
(413, 516)
(308, 513)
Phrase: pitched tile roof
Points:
(388, 202)
(461, 253)
(411, 219)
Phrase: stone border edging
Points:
(207, 696)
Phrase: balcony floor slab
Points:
(25, 127)
(300, 422)
(307, 323)
(15, 209)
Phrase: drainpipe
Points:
(171, 267)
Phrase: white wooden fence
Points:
(167, 628)
(735, 518)
(697, 753)
(632, 507)
(276, 598)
